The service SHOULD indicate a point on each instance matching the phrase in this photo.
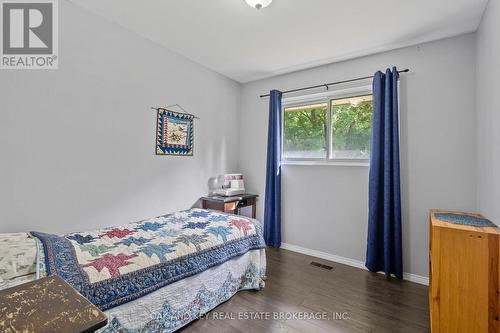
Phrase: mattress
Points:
(175, 305)
(113, 266)
(201, 275)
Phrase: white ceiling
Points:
(244, 44)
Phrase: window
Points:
(328, 127)
(351, 127)
(305, 131)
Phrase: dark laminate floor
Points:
(372, 303)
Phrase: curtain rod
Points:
(326, 85)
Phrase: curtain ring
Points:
(327, 87)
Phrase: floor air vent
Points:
(317, 264)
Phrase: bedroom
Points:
(87, 149)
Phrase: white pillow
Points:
(17, 255)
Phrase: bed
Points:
(155, 275)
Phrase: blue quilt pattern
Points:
(116, 265)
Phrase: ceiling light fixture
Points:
(258, 4)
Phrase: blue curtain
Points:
(272, 209)
(384, 249)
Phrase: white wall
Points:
(77, 143)
(325, 207)
(488, 111)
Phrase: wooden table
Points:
(47, 305)
(230, 204)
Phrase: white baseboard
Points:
(346, 261)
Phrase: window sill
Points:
(345, 163)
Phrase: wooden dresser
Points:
(464, 279)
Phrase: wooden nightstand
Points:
(47, 305)
(231, 205)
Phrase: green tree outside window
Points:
(305, 129)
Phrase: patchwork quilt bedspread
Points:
(116, 265)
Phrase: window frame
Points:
(324, 97)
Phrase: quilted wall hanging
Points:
(174, 133)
